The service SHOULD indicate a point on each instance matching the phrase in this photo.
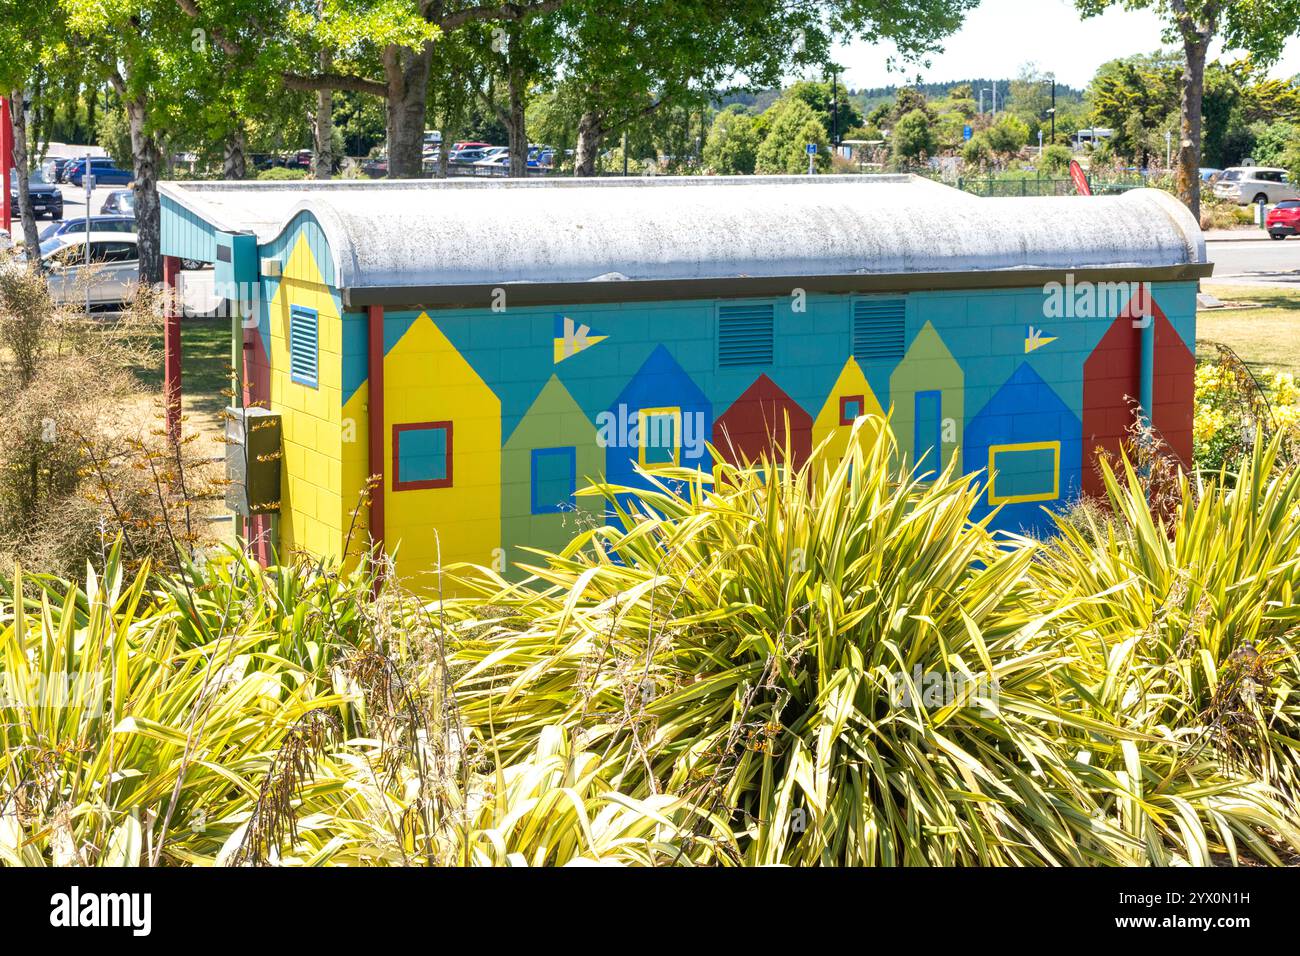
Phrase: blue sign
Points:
(966, 132)
(812, 149)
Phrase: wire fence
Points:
(1042, 186)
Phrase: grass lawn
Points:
(1265, 336)
(205, 365)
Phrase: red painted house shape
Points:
(1111, 387)
(755, 424)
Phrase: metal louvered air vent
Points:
(745, 335)
(303, 346)
(878, 329)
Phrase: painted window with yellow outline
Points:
(659, 437)
(1024, 472)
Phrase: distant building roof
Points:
(431, 234)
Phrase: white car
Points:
(493, 155)
(114, 267)
(1259, 184)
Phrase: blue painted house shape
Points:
(1030, 441)
(660, 419)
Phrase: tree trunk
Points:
(1188, 179)
(322, 161)
(31, 241)
(407, 74)
(444, 154)
(516, 131)
(235, 163)
(145, 159)
(92, 100)
(591, 131)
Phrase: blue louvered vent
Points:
(878, 329)
(303, 346)
(745, 335)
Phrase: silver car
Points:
(114, 269)
(1255, 184)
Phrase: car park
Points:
(46, 198)
(1255, 184)
(1283, 220)
(119, 202)
(102, 169)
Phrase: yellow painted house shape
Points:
(443, 446)
(851, 398)
(314, 514)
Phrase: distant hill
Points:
(868, 98)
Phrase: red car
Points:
(1284, 219)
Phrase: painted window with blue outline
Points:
(554, 478)
(304, 346)
(422, 456)
(660, 434)
(927, 433)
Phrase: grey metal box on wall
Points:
(253, 461)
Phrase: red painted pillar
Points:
(376, 422)
(172, 348)
(6, 163)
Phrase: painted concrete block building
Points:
(485, 349)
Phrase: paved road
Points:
(1257, 260)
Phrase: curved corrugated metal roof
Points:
(425, 233)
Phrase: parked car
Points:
(493, 156)
(47, 200)
(56, 168)
(102, 168)
(299, 160)
(376, 168)
(114, 267)
(1209, 174)
(1255, 184)
(97, 224)
(1283, 219)
(463, 154)
(119, 202)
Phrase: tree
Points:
(784, 150)
(841, 115)
(913, 137)
(25, 31)
(732, 145)
(1260, 27)
(1007, 135)
(908, 99)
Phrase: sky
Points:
(1000, 35)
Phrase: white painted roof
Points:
(387, 234)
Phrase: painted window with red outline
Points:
(852, 407)
(422, 456)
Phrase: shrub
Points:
(78, 465)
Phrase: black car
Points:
(47, 200)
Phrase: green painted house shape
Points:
(927, 389)
(552, 453)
